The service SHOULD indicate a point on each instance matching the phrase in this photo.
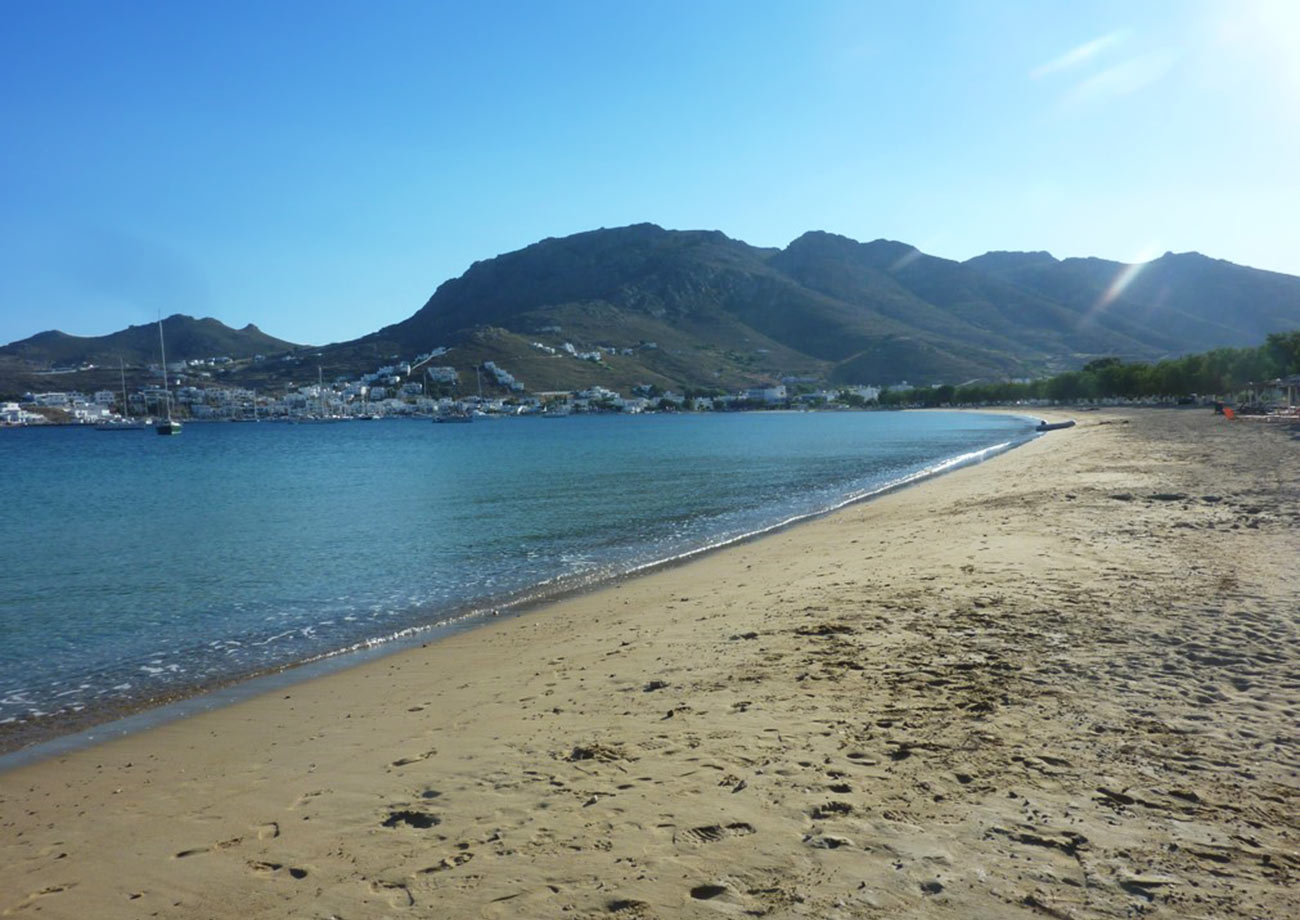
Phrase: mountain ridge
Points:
(186, 338)
(696, 308)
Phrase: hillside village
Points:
(420, 387)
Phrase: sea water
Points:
(135, 567)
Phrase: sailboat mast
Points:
(169, 426)
(162, 350)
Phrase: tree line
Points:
(1222, 372)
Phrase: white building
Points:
(767, 395)
(870, 394)
(13, 414)
(632, 405)
(597, 393)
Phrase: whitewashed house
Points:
(767, 395)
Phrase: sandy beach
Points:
(1063, 683)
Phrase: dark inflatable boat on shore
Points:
(1045, 425)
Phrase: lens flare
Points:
(905, 260)
(1123, 278)
(1127, 275)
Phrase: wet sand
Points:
(1063, 683)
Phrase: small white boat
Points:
(121, 424)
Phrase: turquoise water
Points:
(134, 567)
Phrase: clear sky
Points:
(319, 168)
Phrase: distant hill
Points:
(57, 361)
(186, 338)
(697, 309)
(1179, 303)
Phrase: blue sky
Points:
(319, 168)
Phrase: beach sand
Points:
(1063, 683)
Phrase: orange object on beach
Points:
(1229, 414)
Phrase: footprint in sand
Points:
(712, 833)
(447, 862)
(268, 869)
(708, 892)
(835, 808)
(395, 893)
(307, 797)
(416, 758)
(37, 895)
(219, 845)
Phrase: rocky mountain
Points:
(1180, 303)
(699, 309)
(849, 311)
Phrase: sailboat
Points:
(453, 415)
(123, 422)
(322, 415)
(170, 425)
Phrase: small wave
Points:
(276, 638)
(936, 469)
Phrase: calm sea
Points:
(135, 567)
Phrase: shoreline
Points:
(1058, 683)
(28, 742)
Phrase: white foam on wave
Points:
(943, 466)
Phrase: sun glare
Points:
(1127, 275)
(1123, 278)
(1267, 33)
(905, 260)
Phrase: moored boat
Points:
(121, 424)
(169, 425)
